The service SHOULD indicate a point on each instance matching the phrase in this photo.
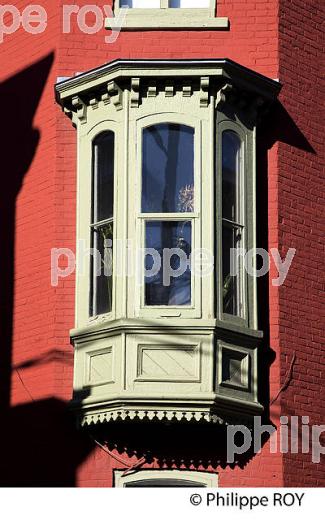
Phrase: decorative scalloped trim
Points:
(102, 417)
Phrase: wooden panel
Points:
(101, 367)
(168, 362)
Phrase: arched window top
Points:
(231, 170)
(166, 478)
(102, 136)
(231, 145)
(103, 175)
(168, 168)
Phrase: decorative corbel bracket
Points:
(152, 89)
(105, 98)
(257, 108)
(135, 92)
(169, 88)
(93, 102)
(204, 91)
(224, 95)
(252, 104)
(116, 94)
(187, 89)
(79, 110)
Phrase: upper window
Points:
(164, 14)
(168, 169)
(152, 4)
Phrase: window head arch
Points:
(102, 223)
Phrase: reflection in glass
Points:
(102, 270)
(103, 172)
(168, 169)
(232, 228)
(190, 3)
(101, 282)
(143, 4)
(161, 288)
(231, 146)
(231, 303)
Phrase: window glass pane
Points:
(103, 176)
(168, 169)
(102, 270)
(143, 4)
(231, 274)
(231, 146)
(167, 269)
(189, 3)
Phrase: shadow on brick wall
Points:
(40, 445)
(39, 442)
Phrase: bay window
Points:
(153, 4)
(166, 176)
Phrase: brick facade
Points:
(278, 38)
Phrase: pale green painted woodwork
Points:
(194, 362)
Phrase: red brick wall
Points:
(301, 224)
(45, 218)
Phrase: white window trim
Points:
(209, 480)
(84, 206)
(168, 18)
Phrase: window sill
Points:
(162, 19)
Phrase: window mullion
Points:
(169, 216)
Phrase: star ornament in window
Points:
(186, 199)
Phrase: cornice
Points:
(214, 71)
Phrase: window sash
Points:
(98, 233)
(101, 261)
(194, 309)
(190, 305)
(237, 225)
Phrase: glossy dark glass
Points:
(102, 271)
(103, 176)
(231, 146)
(170, 283)
(168, 169)
(101, 283)
(231, 229)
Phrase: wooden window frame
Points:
(193, 310)
(167, 17)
